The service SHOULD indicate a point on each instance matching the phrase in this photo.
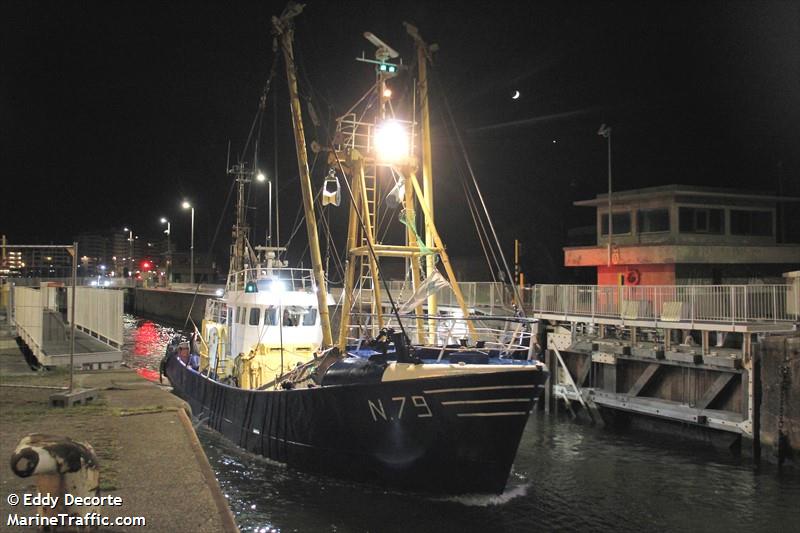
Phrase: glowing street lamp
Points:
(391, 141)
(130, 258)
(187, 205)
(261, 178)
(168, 231)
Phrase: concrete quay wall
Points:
(148, 452)
(169, 306)
(780, 398)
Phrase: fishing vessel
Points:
(411, 396)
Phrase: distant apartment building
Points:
(42, 262)
(679, 234)
(93, 254)
(205, 268)
(33, 262)
(100, 253)
(10, 262)
(118, 251)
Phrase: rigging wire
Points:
(210, 251)
(261, 106)
(492, 263)
(259, 113)
(507, 270)
(473, 215)
(299, 216)
(480, 228)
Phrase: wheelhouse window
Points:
(701, 220)
(757, 223)
(289, 318)
(621, 223)
(295, 315)
(653, 220)
(271, 316)
(310, 317)
(255, 315)
(240, 315)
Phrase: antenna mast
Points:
(284, 31)
(372, 151)
(240, 252)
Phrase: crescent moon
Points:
(516, 95)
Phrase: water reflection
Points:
(567, 477)
(144, 342)
(600, 481)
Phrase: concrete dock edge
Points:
(220, 500)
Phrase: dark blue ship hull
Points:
(456, 434)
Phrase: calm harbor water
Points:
(567, 477)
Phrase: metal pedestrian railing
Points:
(288, 279)
(733, 304)
(488, 296)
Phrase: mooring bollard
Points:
(61, 466)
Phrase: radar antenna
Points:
(384, 51)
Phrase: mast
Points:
(284, 31)
(370, 150)
(240, 251)
(424, 52)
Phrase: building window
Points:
(757, 223)
(255, 315)
(653, 220)
(701, 220)
(621, 224)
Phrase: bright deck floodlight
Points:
(277, 286)
(391, 141)
(261, 177)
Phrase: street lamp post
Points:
(130, 257)
(168, 231)
(187, 205)
(605, 131)
(262, 178)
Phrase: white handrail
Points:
(692, 303)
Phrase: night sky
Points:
(111, 113)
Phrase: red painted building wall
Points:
(663, 274)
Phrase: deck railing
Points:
(732, 304)
(506, 335)
(90, 281)
(290, 279)
(486, 295)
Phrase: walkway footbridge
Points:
(686, 354)
(43, 316)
